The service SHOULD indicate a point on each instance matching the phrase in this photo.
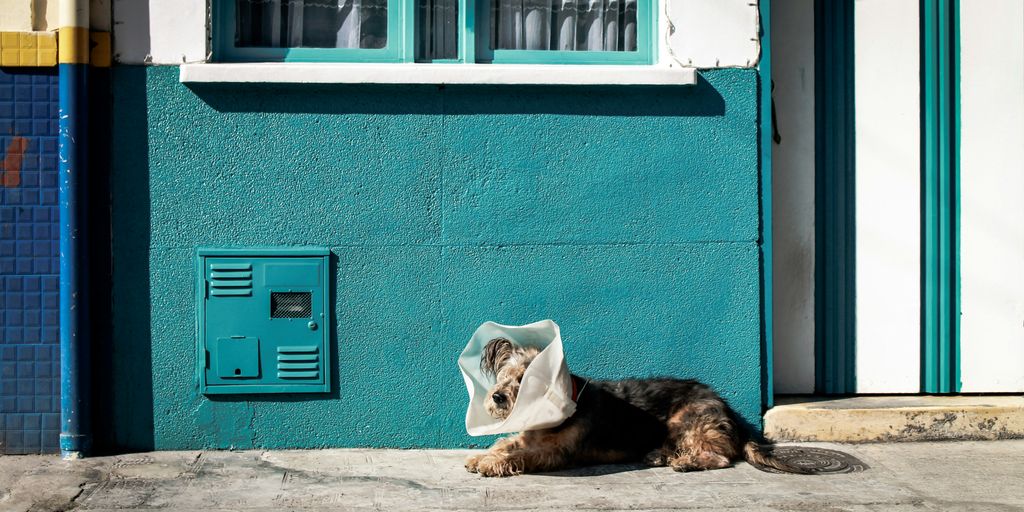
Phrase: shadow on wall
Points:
(131, 28)
(127, 424)
(122, 380)
(99, 255)
(698, 100)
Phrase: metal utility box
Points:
(264, 320)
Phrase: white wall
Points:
(160, 31)
(713, 33)
(793, 196)
(41, 15)
(992, 195)
(888, 192)
(16, 15)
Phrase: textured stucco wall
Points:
(628, 215)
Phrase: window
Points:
(479, 31)
(308, 30)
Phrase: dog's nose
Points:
(498, 398)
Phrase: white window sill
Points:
(437, 74)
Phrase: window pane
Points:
(311, 23)
(437, 29)
(565, 25)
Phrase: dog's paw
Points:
(472, 462)
(656, 458)
(491, 466)
(700, 462)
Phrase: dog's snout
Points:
(499, 398)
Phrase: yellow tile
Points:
(8, 57)
(29, 58)
(28, 41)
(8, 40)
(48, 57)
(47, 41)
(28, 49)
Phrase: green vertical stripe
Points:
(940, 201)
(835, 276)
(955, 106)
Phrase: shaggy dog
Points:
(661, 421)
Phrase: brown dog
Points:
(661, 421)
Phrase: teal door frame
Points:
(835, 208)
(834, 187)
(940, 196)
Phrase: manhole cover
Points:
(816, 461)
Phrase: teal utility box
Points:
(264, 322)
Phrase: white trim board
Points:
(513, 74)
(888, 191)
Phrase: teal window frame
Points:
(474, 43)
(397, 49)
(467, 39)
(646, 26)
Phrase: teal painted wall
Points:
(628, 215)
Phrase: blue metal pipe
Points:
(74, 318)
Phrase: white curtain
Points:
(312, 23)
(589, 25)
(438, 29)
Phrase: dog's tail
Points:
(762, 456)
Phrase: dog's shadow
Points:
(601, 470)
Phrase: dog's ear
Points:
(495, 354)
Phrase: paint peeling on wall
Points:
(713, 33)
(13, 159)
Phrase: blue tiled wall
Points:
(29, 345)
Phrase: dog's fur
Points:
(662, 422)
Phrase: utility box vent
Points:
(231, 279)
(264, 321)
(291, 305)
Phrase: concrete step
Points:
(866, 419)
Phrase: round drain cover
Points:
(815, 461)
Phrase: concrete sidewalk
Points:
(944, 476)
